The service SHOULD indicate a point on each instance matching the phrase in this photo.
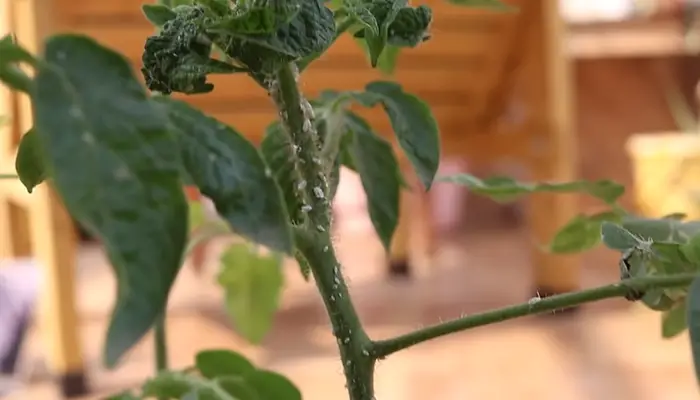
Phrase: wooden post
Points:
(52, 231)
(14, 237)
(553, 149)
(413, 244)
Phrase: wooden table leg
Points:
(413, 245)
(552, 273)
(55, 246)
(198, 255)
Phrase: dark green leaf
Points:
(238, 388)
(670, 259)
(673, 322)
(413, 123)
(14, 78)
(387, 61)
(379, 172)
(252, 285)
(117, 169)
(693, 319)
(271, 385)
(661, 230)
(30, 164)
(169, 385)
(580, 234)
(217, 363)
(410, 28)
(383, 12)
(618, 238)
(278, 151)
(11, 56)
(12, 53)
(178, 58)
(506, 189)
(230, 171)
(258, 17)
(158, 14)
(692, 250)
(310, 31)
(658, 300)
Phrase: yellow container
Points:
(666, 172)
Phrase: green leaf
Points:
(238, 388)
(158, 14)
(30, 164)
(217, 363)
(389, 22)
(413, 123)
(692, 250)
(506, 189)
(494, 5)
(379, 172)
(673, 322)
(618, 238)
(310, 31)
(278, 151)
(178, 57)
(271, 385)
(11, 55)
(387, 61)
(258, 17)
(693, 318)
(230, 171)
(168, 385)
(14, 78)
(117, 169)
(658, 300)
(410, 28)
(581, 233)
(252, 285)
(661, 230)
(670, 259)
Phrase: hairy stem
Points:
(313, 239)
(384, 348)
(161, 345)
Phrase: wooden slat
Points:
(131, 8)
(662, 38)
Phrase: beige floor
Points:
(609, 352)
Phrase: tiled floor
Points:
(608, 352)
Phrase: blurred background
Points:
(571, 89)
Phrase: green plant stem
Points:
(387, 347)
(339, 30)
(161, 345)
(9, 176)
(313, 239)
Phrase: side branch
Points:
(384, 348)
